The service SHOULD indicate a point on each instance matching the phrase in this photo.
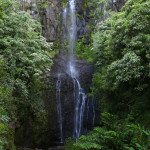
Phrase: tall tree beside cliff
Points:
(24, 57)
(121, 47)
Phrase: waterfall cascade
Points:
(80, 98)
(81, 101)
(79, 94)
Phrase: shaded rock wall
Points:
(47, 12)
(116, 5)
(50, 16)
(50, 20)
(60, 69)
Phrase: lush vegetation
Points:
(99, 10)
(115, 134)
(121, 46)
(24, 57)
(121, 51)
(83, 50)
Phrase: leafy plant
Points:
(84, 51)
(24, 57)
(114, 134)
(121, 51)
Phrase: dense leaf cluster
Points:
(24, 57)
(25, 50)
(122, 49)
(114, 135)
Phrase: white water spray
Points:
(79, 94)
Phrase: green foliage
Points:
(24, 57)
(63, 3)
(98, 8)
(84, 51)
(5, 7)
(115, 134)
(42, 4)
(121, 50)
(3, 127)
(4, 95)
(25, 50)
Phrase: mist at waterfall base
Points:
(83, 105)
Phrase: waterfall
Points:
(79, 96)
(64, 37)
(80, 99)
(58, 100)
(72, 38)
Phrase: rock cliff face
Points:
(51, 21)
(86, 71)
(116, 5)
(49, 13)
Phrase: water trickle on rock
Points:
(58, 100)
(93, 107)
(81, 101)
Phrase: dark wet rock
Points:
(116, 5)
(85, 72)
(48, 17)
(79, 7)
(50, 22)
(81, 28)
(31, 149)
(56, 148)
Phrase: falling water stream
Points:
(80, 98)
(79, 94)
(58, 91)
(70, 32)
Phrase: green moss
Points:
(63, 3)
(43, 4)
(84, 51)
(79, 16)
(59, 16)
(11, 137)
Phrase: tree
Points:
(121, 47)
(24, 57)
